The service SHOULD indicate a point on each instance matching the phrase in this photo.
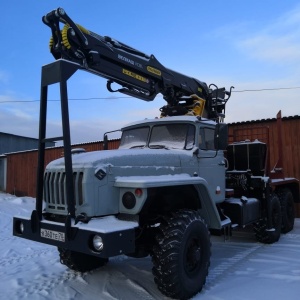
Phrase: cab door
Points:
(211, 163)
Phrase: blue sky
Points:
(248, 44)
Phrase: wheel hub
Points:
(196, 255)
(193, 256)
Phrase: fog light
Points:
(98, 243)
(128, 200)
(21, 227)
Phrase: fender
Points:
(209, 211)
(157, 181)
(208, 208)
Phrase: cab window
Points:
(206, 138)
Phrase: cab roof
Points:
(173, 119)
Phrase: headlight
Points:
(98, 243)
(128, 200)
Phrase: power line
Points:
(271, 89)
(70, 99)
(120, 97)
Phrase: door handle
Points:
(224, 162)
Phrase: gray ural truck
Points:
(172, 182)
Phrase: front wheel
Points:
(79, 261)
(181, 255)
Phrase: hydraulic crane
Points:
(139, 75)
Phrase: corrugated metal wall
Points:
(21, 167)
(290, 141)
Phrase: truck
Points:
(172, 182)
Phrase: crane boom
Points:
(139, 75)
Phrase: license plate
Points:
(53, 235)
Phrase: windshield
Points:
(134, 138)
(173, 136)
(165, 136)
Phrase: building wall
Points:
(13, 143)
(3, 170)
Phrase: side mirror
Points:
(221, 136)
(105, 138)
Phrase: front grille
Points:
(55, 193)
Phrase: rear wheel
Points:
(181, 256)
(269, 236)
(287, 209)
(79, 261)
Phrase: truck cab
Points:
(166, 159)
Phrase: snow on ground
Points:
(241, 268)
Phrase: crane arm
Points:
(139, 75)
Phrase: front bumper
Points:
(118, 236)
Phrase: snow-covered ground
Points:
(241, 268)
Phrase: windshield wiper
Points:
(137, 146)
(159, 147)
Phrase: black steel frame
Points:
(57, 72)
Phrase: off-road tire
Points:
(181, 255)
(79, 261)
(287, 209)
(260, 228)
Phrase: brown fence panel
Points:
(290, 141)
(21, 169)
(22, 166)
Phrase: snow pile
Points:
(240, 268)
